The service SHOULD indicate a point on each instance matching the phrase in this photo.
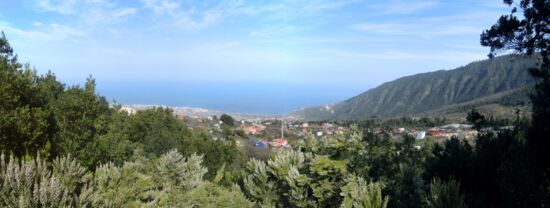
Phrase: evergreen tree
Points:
(178, 175)
(358, 194)
(477, 119)
(30, 184)
(409, 188)
(445, 194)
(211, 195)
(125, 186)
(528, 34)
(27, 123)
(81, 116)
(227, 120)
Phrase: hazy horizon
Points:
(254, 98)
(269, 57)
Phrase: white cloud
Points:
(45, 33)
(276, 18)
(190, 17)
(106, 16)
(87, 11)
(296, 10)
(162, 6)
(386, 28)
(63, 31)
(58, 6)
(402, 7)
(193, 20)
(194, 15)
(417, 29)
(123, 13)
(274, 30)
(260, 37)
(428, 27)
(323, 5)
(274, 15)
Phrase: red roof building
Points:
(281, 141)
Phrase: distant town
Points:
(277, 132)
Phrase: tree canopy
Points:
(67, 146)
(526, 30)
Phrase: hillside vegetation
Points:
(68, 147)
(503, 80)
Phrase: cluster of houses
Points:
(296, 129)
(462, 131)
(284, 131)
(274, 143)
(259, 131)
(317, 129)
(254, 129)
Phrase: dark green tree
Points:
(116, 145)
(477, 119)
(526, 31)
(445, 194)
(227, 119)
(27, 123)
(452, 160)
(409, 188)
(82, 116)
(156, 130)
(6, 52)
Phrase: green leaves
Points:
(170, 181)
(357, 193)
(259, 184)
(227, 120)
(477, 119)
(210, 195)
(72, 176)
(280, 165)
(299, 188)
(26, 115)
(125, 186)
(323, 166)
(296, 179)
(30, 184)
(445, 194)
(179, 172)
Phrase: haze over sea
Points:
(244, 56)
(250, 97)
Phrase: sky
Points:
(247, 56)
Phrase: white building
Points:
(319, 134)
(129, 110)
(421, 135)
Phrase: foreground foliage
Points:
(170, 181)
(66, 147)
(176, 181)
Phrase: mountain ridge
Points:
(420, 93)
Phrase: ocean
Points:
(241, 97)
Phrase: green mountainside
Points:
(502, 82)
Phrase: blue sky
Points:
(342, 47)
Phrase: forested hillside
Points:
(39, 115)
(66, 146)
(434, 91)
